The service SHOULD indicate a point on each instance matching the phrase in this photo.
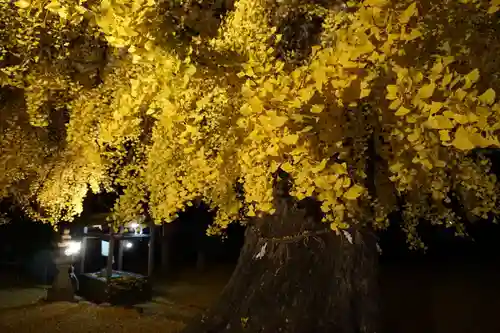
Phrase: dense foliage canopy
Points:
(370, 106)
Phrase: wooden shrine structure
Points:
(116, 286)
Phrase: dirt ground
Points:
(80, 318)
(176, 301)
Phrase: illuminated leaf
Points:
(321, 166)
(427, 91)
(408, 13)
(444, 135)
(53, 6)
(447, 79)
(414, 34)
(395, 104)
(317, 108)
(354, 192)
(278, 121)
(287, 167)
(340, 169)
(471, 78)
(23, 4)
(392, 92)
(256, 105)
(272, 150)
(488, 97)
(462, 140)
(479, 141)
(414, 136)
(402, 111)
(494, 6)
(396, 167)
(290, 139)
(376, 3)
(439, 122)
(435, 107)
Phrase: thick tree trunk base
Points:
(317, 283)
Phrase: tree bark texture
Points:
(294, 275)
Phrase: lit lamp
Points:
(72, 248)
(136, 227)
(62, 288)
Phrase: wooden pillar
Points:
(120, 254)
(151, 248)
(109, 267)
(120, 250)
(83, 254)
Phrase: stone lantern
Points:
(62, 288)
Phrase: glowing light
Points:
(134, 225)
(128, 245)
(72, 248)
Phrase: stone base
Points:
(60, 295)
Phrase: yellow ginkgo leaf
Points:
(471, 78)
(395, 104)
(322, 183)
(402, 111)
(494, 6)
(287, 167)
(272, 119)
(321, 166)
(396, 167)
(392, 92)
(246, 109)
(435, 107)
(353, 192)
(272, 150)
(488, 97)
(408, 13)
(414, 136)
(462, 140)
(23, 4)
(447, 78)
(439, 122)
(375, 3)
(340, 169)
(479, 141)
(444, 135)
(414, 34)
(427, 91)
(256, 104)
(278, 121)
(317, 108)
(53, 6)
(290, 139)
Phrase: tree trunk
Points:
(296, 276)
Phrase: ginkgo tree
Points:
(309, 121)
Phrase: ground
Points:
(431, 298)
(71, 317)
(176, 301)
